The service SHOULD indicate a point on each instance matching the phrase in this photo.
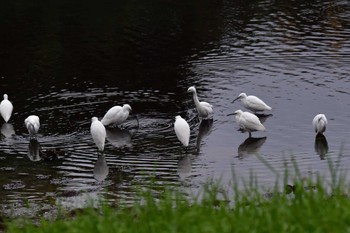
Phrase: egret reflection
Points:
(204, 129)
(321, 146)
(34, 150)
(263, 117)
(250, 146)
(184, 167)
(101, 169)
(119, 137)
(7, 130)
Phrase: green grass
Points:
(311, 207)
(310, 210)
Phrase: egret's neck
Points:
(195, 99)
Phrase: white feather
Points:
(98, 133)
(116, 115)
(182, 130)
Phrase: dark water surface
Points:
(67, 61)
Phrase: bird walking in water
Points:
(6, 108)
(182, 130)
(98, 133)
(204, 109)
(116, 115)
(248, 121)
(32, 124)
(320, 122)
(252, 103)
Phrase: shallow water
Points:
(68, 62)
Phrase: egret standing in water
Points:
(319, 122)
(204, 109)
(32, 124)
(182, 130)
(116, 115)
(252, 103)
(248, 121)
(98, 133)
(6, 108)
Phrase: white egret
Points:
(116, 115)
(204, 109)
(182, 130)
(98, 133)
(319, 122)
(252, 102)
(248, 121)
(6, 108)
(32, 124)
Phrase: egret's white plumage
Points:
(248, 121)
(98, 133)
(116, 115)
(204, 109)
(6, 108)
(252, 103)
(182, 130)
(319, 122)
(32, 124)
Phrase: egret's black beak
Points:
(235, 99)
(231, 114)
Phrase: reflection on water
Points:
(34, 150)
(101, 169)
(263, 117)
(250, 146)
(321, 146)
(204, 129)
(292, 54)
(184, 166)
(119, 137)
(7, 130)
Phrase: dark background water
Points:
(67, 61)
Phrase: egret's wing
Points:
(254, 102)
(182, 131)
(207, 106)
(250, 121)
(314, 123)
(112, 115)
(98, 133)
(6, 109)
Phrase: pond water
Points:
(69, 61)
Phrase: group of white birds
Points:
(247, 121)
(32, 122)
(114, 116)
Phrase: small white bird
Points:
(32, 124)
(319, 122)
(6, 108)
(252, 103)
(98, 133)
(204, 109)
(116, 115)
(182, 130)
(248, 121)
